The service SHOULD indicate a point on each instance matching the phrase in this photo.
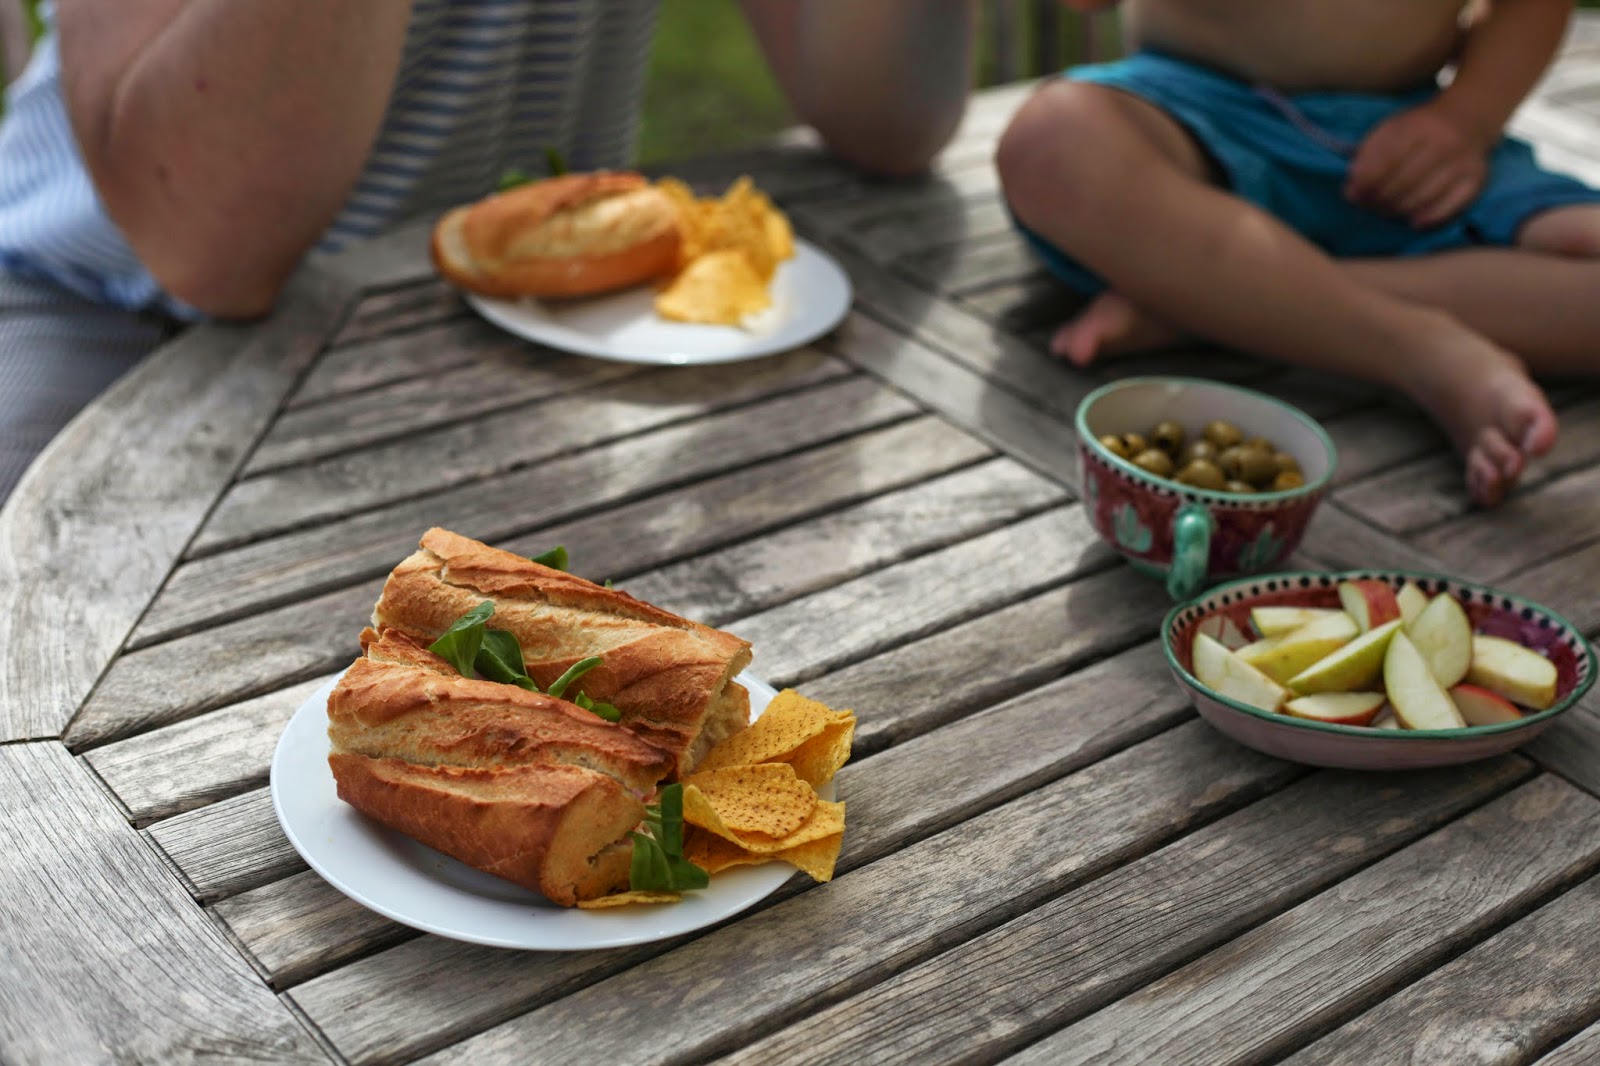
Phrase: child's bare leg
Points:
(1092, 171)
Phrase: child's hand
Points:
(1424, 165)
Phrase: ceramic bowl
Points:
(1192, 536)
(1491, 612)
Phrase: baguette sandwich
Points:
(573, 235)
(518, 784)
(672, 680)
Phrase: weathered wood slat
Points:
(1125, 697)
(1581, 1050)
(193, 763)
(490, 382)
(1080, 951)
(230, 846)
(824, 942)
(390, 260)
(1379, 438)
(1571, 746)
(442, 458)
(978, 264)
(1284, 982)
(282, 569)
(428, 351)
(1517, 992)
(301, 925)
(401, 310)
(931, 194)
(1035, 302)
(95, 527)
(1002, 418)
(827, 629)
(1562, 584)
(103, 958)
(845, 544)
(1527, 528)
(1340, 541)
(911, 231)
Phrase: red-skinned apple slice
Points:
(1276, 621)
(1281, 658)
(1370, 602)
(1352, 668)
(1411, 601)
(1339, 708)
(1443, 634)
(1419, 701)
(1226, 674)
(1385, 719)
(1479, 706)
(1507, 669)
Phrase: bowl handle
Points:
(1191, 552)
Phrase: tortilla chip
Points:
(712, 854)
(801, 732)
(622, 899)
(767, 801)
(817, 857)
(719, 288)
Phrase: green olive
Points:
(1202, 474)
(1168, 436)
(1287, 479)
(1135, 443)
(1199, 448)
(1114, 444)
(1155, 461)
(1286, 463)
(1247, 464)
(1263, 443)
(1223, 434)
(1243, 488)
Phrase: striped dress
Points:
(484, 85)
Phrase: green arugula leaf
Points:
(500, 659)
(555, 558)
(604, 710)
(459, 644)
(553, 160)
(512, 178)
(658, 864)
(559, 686)
(608, 583)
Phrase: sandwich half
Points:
(521, 785)
(671, 679)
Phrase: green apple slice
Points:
(1507, 669)
(1281, 658)
(1352, 668)
(1339, 708)
(1276, 621)
(1419, 701)
(1226, 674)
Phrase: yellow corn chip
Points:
(762, 800)
(795, 730)
(780, 235)
(718, 288)
(713, 854)
(816, 857)
(825, 819)
(622, 899)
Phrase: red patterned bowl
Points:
(1192, 536)
(1491, 612)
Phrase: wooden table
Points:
(1048, 855)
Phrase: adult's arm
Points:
(884, 82)
(223, 136)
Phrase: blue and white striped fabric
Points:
(484, 85)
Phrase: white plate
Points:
(417, 886)
(810, 294)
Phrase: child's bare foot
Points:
(1493, 412)
(1111, 325)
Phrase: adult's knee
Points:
(1061, 152)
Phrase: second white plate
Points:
(810, 294)
(411, 883)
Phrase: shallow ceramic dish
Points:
(1491, 612)
(1188, 535)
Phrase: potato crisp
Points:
(622, 899)
(731, 248)
(754, 798)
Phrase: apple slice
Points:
(1443, 635)
(1419, 701)
(1479, 706)
(1354, 667)
(1281, 658)
(1411, 600)
(1386, 719)
(1225, 673)
(1276, 621)
(1340, 708)
(1507, 669)
(1370, 602)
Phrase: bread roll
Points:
(671, 678)
(517, 784)
(573, 235)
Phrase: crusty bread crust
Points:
(551, 829)
(574, 235)
(671, 678)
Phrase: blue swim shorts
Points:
(1289, 153)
